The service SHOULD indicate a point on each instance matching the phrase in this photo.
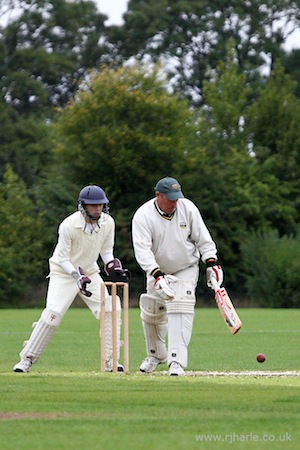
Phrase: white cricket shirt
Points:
(172, 245)
(77, 244)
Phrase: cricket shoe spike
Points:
(23, 366)
(175, 369)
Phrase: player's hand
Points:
(82, 281)
(162, 285)
(115, 271)
(214, 270)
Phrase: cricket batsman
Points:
(169, 238)
(83, 237)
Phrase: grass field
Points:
(226, 401)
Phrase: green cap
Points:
(170, 187)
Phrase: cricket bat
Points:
(226, 307)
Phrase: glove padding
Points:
(215, 271)
(162, 285)
(82, 280)
(115, 271)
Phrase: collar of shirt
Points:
(162, 214)
(85, 226)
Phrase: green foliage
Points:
(226, 96)
(237, 190)
(126, 132)
(290, 62)
(237, 156)
(273, 117)
(273, 125)
(195, 34)
(21, 240)
(45, 51)
(222, 174)
(25, 144)
(272, 267)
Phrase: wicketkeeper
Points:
(82, 237)
(169, 238)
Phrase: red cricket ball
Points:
(261, 358)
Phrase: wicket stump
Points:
(113, 294)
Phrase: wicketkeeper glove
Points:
(162, 284)
(115, 271)
(82, 280)
(213, 269)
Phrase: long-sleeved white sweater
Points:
(172, 245)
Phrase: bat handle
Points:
(214, 284)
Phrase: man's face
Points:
(164, 204)
(94, 212)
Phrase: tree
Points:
(124, 132)
(21, 241)
(221, 175)
(273, 124)
(272, 275)
(46, 51)
(235, 191)
(25, 144)
(191, 36)
(290, 62)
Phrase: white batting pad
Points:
(184, 300)
(153, 309)
(180, 326)
(181, 306)
(154, 320)
(41, 335)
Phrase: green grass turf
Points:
(66, 403)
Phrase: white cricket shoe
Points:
(175, 369)
(23, 366)
(150, 363)
(109, 366)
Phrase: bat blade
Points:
(226, 308)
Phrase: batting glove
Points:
(162, 284)
(213, 269)
(82, 280)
